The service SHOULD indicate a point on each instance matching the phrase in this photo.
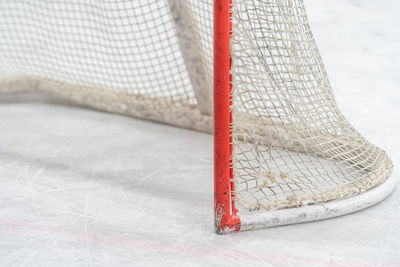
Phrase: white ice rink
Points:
(85, 188)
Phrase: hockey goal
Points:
(249, 69)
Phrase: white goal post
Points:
(247, 70)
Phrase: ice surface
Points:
(86, 188)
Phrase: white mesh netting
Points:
(122, 56)
(292, 146)
(153, 59)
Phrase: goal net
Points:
(284, 152)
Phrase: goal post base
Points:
(319, 212)
(231, 224)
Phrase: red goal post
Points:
(226, 218)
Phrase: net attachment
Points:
(293, 150)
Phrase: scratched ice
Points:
(85, 188)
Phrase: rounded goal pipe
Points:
(225, 218)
